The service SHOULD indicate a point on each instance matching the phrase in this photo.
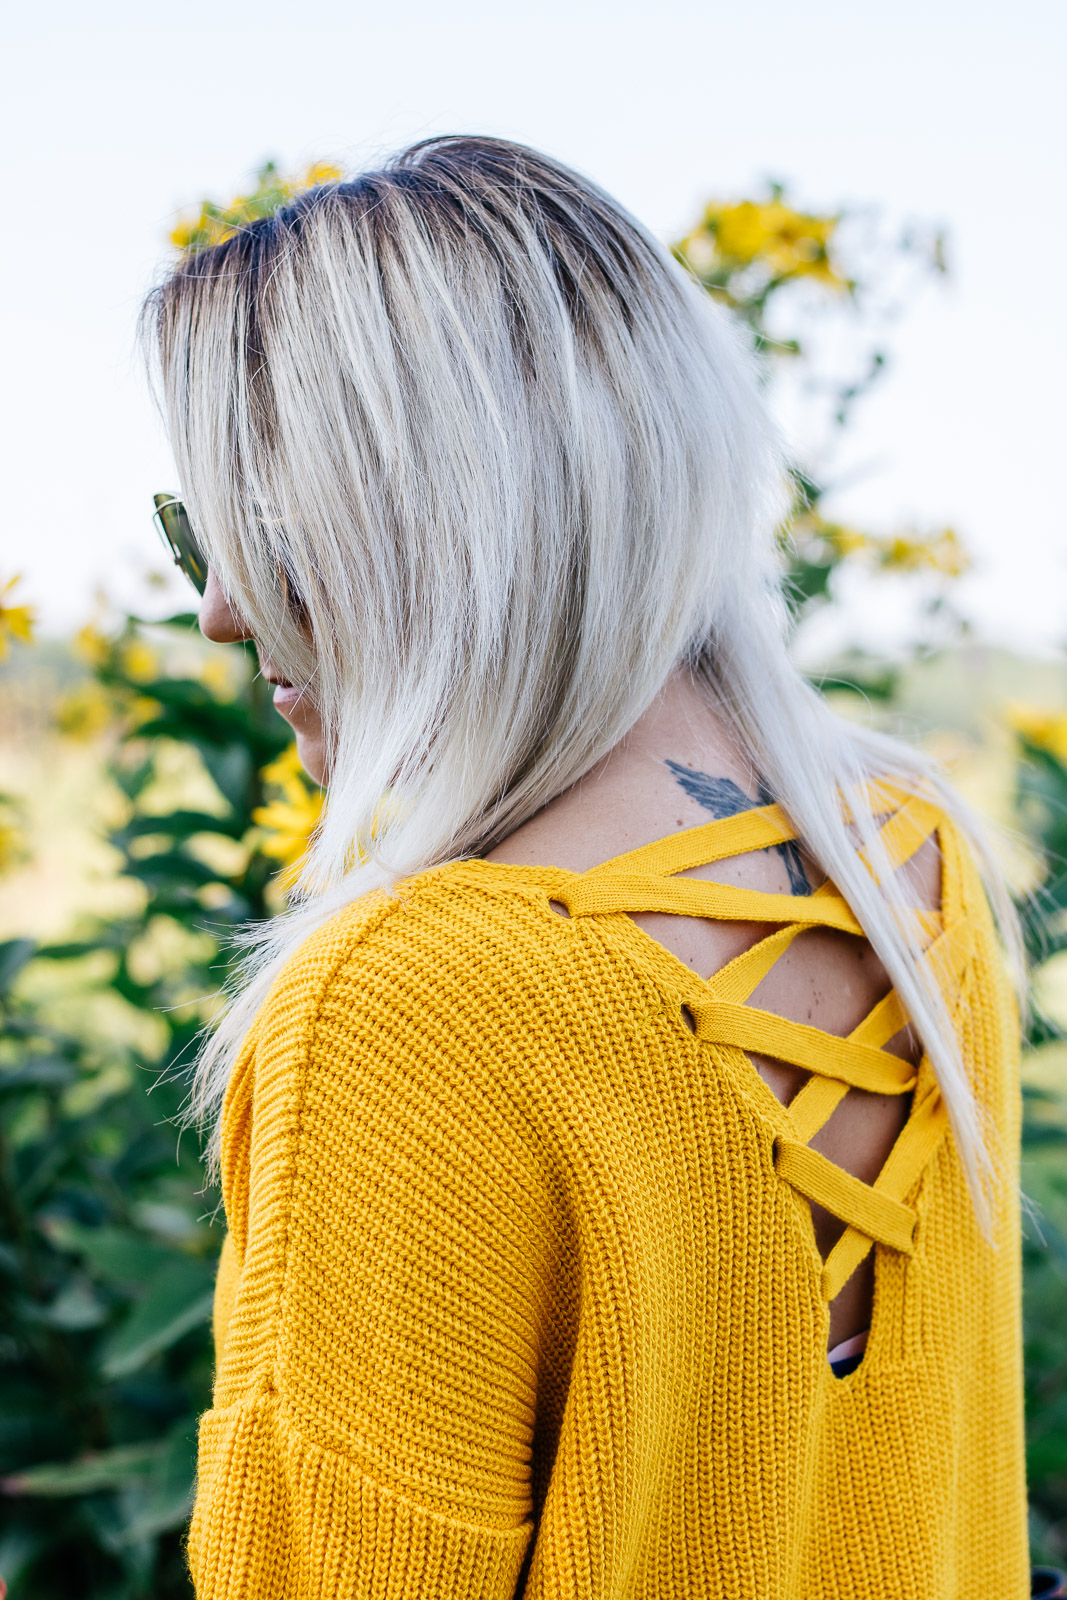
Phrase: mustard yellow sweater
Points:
(521, 1295)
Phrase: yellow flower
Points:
(288, 826)
(215, 674)
(214, 223)
(16, 622)
(200, 232)
(941, 552)
(742, 232)
(947, 553)
(844, 541)
(289, 819)
(85, 712)
(322, 172)
(92, 646)
(902, 552)
(141, 709)
(13, 850)
(849, 541)
(139, 661)
(786, 242)
(1046, 729)
(286, 773)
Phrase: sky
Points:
(940, 111)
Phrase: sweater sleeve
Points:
(386, 1291)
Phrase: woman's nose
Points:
(217, 618)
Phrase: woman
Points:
(618, 1136)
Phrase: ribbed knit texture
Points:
(521, 1296)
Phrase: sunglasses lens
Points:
(180, 540)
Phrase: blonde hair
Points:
(515, 468)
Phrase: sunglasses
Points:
(172, 520)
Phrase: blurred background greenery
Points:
(151, 803)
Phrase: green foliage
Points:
(786, 274)
(214, 223)
(1045, 1280)
(110, 1243)
(1042, 809)
(1041, 805)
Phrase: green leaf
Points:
(117, 1253)
(866, 679)
(70, 950)
(171, 867)
(75, 1308)
(1041, 1030)
(131, 780)
(47, 1072)
(182, 825)
(231, 770)
(170, 1497)
(36, 1168)
(175, 1224)
(19, 1549)
(1037, 1135)
(187, 621)
(31, 1426)
(14, 954)
(104, 1469)
(1053, 896)
(808, 581)
(178, 1299)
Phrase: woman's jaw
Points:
(301, 713)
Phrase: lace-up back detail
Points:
(647, 880)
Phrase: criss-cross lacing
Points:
(645, 880)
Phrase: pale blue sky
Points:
(942, 111)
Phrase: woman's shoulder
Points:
(421, 951)
(403, 1013)
(494, 903)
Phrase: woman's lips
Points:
(287, 697)
(289, 701)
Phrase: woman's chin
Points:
(312, 756)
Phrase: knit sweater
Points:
(520, 1294)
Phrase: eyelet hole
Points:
(689, 1019)
(559, 908)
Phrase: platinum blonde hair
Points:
(514, 467)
